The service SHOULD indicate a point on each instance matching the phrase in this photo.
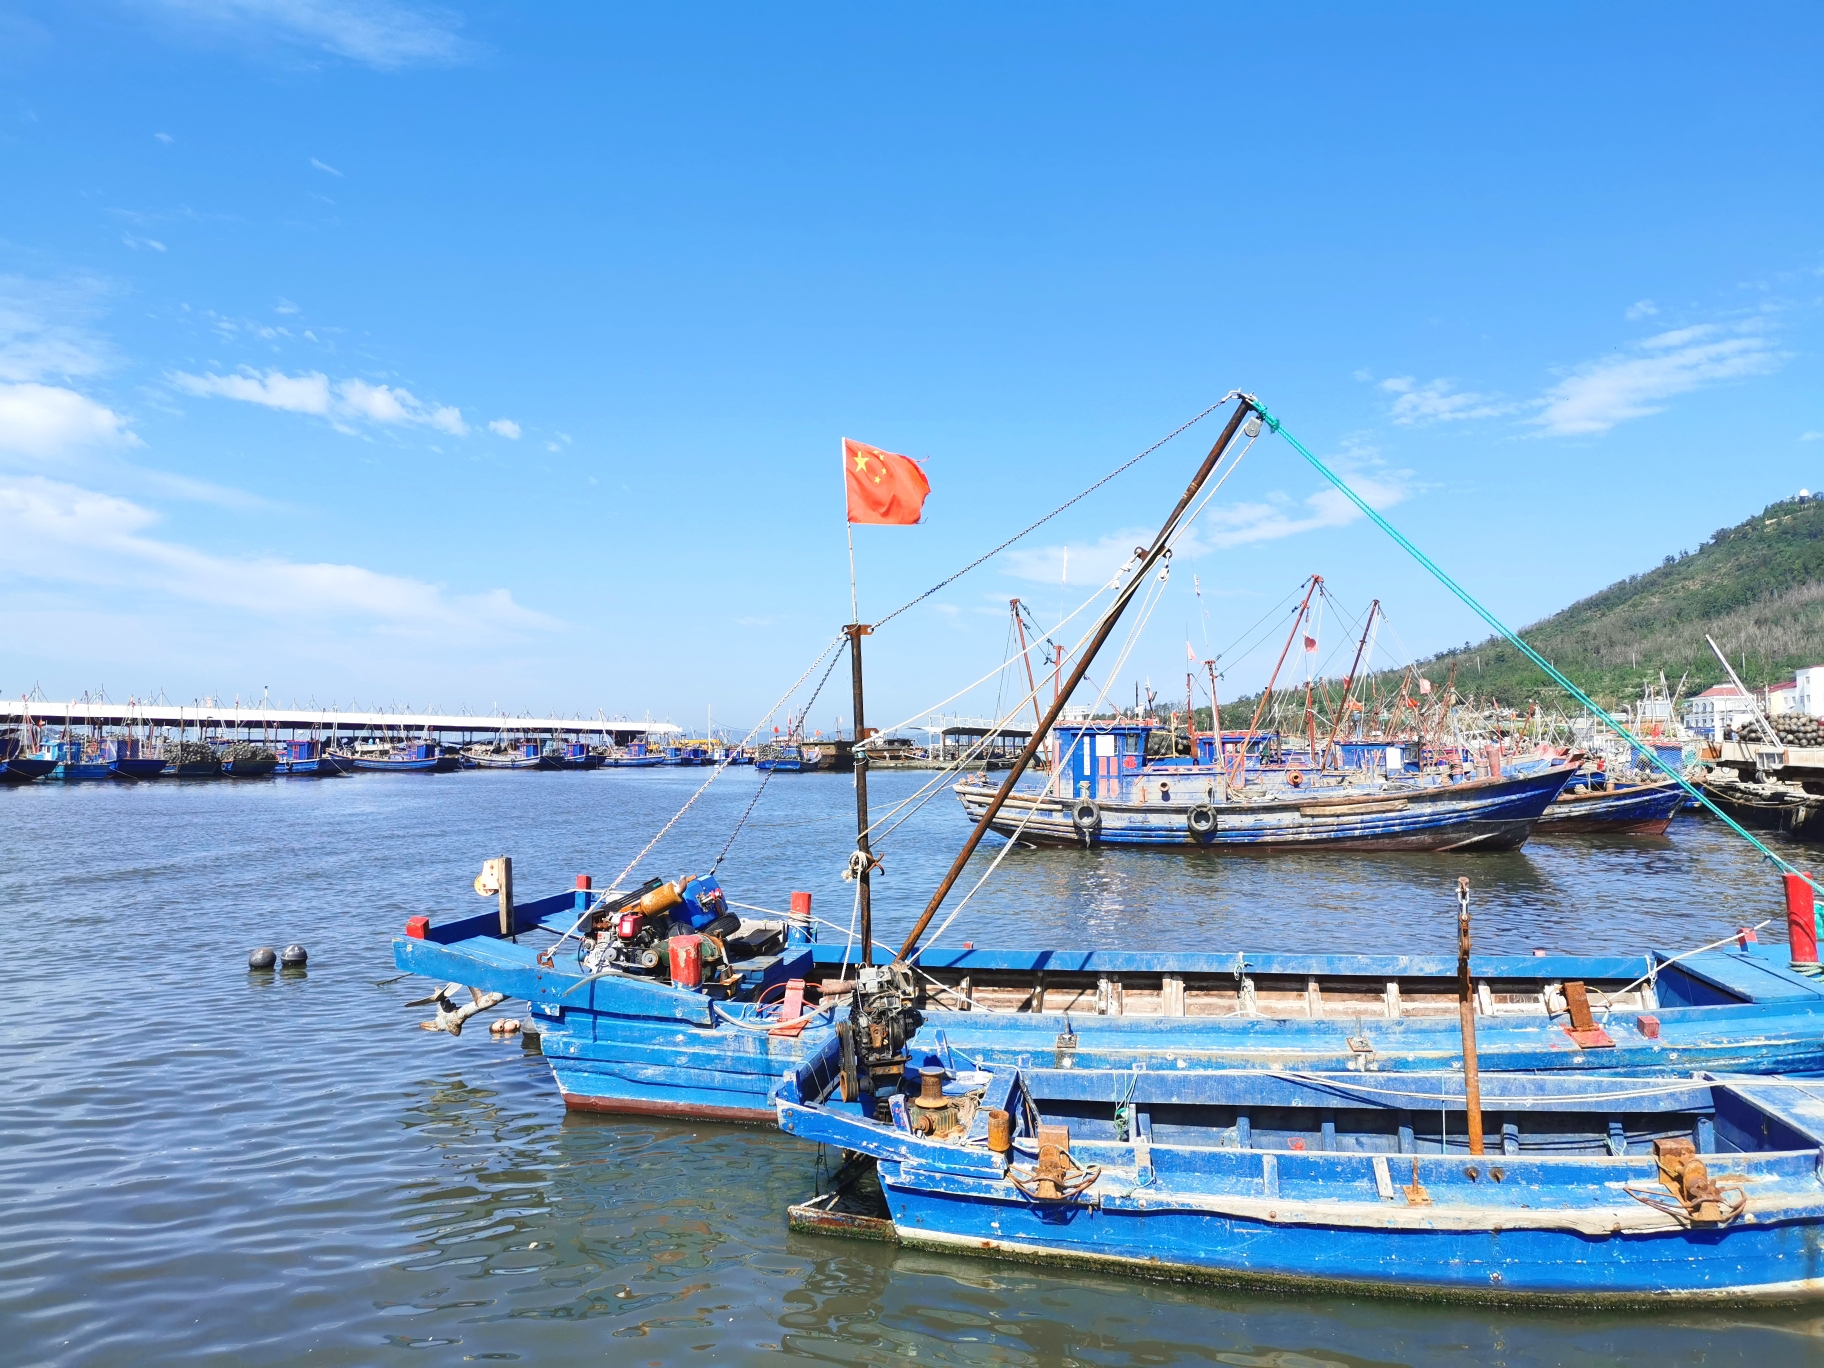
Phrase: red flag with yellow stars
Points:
(883, 487)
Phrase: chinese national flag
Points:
(883, 487)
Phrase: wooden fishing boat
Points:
(194, 760)
(576, 755)
(520, 755)
(639, 1042)
(1616, 1189)
(1192, 808)
(1620, 808)
(690, 753)
(633, 755)
(420, 757)
(1770, 806)
(128, 760)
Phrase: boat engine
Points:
(882, 1019)
(631, 932)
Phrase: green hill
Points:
(1757, 587)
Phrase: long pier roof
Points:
(44, 712)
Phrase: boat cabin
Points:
(1097, 756)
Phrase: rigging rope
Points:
(1514, 638)
(1182, 427)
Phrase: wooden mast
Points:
(1267, 693)
(1157, 551)
(1349, 683)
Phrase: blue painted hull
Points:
(24, 769)
(389, 766)
(631, 1044)
(81, 771)
(249, 769)
(1636, 810)
(633, 761)
(1485, 814)
(1329, 1184)
(139, 767)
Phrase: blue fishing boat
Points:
(128, 759)
(18, 763)
(634, 755)
(686, 752)
(789, 757)
(576, 755)
(308, 759)
(1104, 793)
(621, 1036)
(76, 761)
(410, 757)
(1614, 808)
(1616, 1189)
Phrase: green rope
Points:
(1537, 659)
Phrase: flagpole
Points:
(861, 864)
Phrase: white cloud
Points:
(1597, 396)
(150, 244)
(1435, 402)
(294, 393)
(324, 166)
(1218, 528)
(42, 421)
(314, 393)
(379, 33)
(32, 347)
(506, 427)
(51, 531)
(164, 138)
(1644, 308)
(1812, 436)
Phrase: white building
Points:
(1808, 686)
(1717, 710)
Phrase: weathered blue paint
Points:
(1334, 1183)
(1162, 808)
(637, 1043)
(1631, 809)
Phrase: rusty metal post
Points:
(1466, 1006)
(506, 897)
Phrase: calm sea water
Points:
(201, 1164)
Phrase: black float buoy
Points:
(262, 958)
(294, 957)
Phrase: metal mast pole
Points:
(1152, 556)
(864, 865)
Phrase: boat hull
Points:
(249, 769)
(1798, 816)
(623, 1043)
(139, 767)
(1638, 810)
(1324, 1183)
(25, 769)
(1487, 814)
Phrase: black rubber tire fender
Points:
(1201, 820)
(1085, 816)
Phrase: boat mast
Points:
(863, 861)
(1244, 411)
(1026, 655)
(1267, 693)
(1349, 683)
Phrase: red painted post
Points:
(417, 927)
(584, 883)
(1801, 920)
(687, 961)
(801, 904)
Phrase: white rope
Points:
(726, 760)
(1654, 968)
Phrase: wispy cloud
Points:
(325, 166)
(55, 532)
(378, 33)
(164, 138)
(1813, 436)
(142, 243)
(1225, 526)
(1438, 401)
(1598, 395)
(505, 427)
(40, 421)
(314, 393)
(1644, 308)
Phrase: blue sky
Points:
(498, 356)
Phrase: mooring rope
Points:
(1783, 865)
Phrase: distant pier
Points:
(328, 724)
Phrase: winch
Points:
(881, 1020)
(632, 932)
